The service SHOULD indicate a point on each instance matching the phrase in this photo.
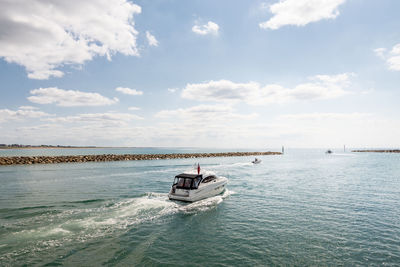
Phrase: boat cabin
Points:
(191, 181)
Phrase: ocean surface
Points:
(301, 208)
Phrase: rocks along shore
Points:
(113, 157)
(379, 150)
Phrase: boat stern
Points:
(179, 194)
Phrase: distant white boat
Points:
(256, 161)
(193, 187)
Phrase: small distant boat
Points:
(193, 187)
(329, 151)
(256, 161)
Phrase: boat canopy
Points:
(190, 176)
(187, 181)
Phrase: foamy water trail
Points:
(82, 225)
(205, 204)
(233, 165)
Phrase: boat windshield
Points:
(184, 183)
(180, 182)
(187, 183)
(209, 178)
(196, 182)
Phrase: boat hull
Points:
(213, 189)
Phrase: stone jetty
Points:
(379, 150)
(114, 157)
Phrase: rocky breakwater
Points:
(113, 157)
(379, 150)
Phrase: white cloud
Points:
(380, 52)
(392, 58)
(204, 113)
(301, 12)
(68, 98)
(396, 50)
(325, 116)
(394, 63)
(172, 90)
(209, 28)
(133, 108)
(321, 87)
(222, 90)
(28, 108)
(339, 79)
(98, 118)
(151, 39)
(45, 35)
(128, 91)
(22, 113)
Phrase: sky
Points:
(200, 73)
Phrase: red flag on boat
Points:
(198, 168)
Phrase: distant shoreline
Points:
(52, 147)
(24, 160)
(378, 150)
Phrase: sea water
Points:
(301, 208)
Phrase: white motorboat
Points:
(192, 187)
(256, 161)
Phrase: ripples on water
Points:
(303, 208)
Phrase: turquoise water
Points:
(302, 208)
